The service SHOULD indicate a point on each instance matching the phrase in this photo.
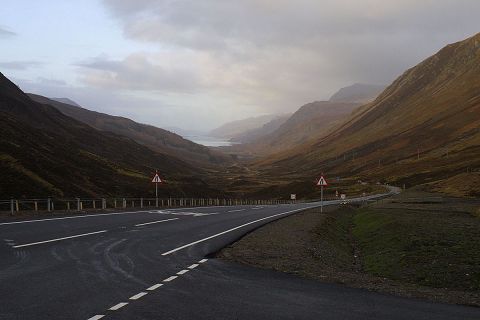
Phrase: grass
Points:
(428, 248)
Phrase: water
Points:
(209, 141)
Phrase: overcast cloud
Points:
(199, 63)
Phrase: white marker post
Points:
(321, 183)
(156, 179)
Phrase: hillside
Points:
(358, 92)
(157, 139)
(309, 122)
(239, 127)
(423, 128)
(257, 133)
(45, 153)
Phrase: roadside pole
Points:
(321, 182)
(156, 179)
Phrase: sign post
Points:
(321, 183)
(156, 179)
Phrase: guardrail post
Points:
(48, 205)
(16, 206)
(141, 203)
(11, 207)
(104, 203)
(93, 203)
(68, 205)
(115, 203)
(124, 203)
(78, 204)
(35, 204)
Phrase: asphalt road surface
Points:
(155, 265)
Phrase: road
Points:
(156, 265)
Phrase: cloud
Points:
(6, 33)
(21, 65)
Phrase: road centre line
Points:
(58, 239)
(155, 287)
(238, 210)
(118, 306)
(97, 317)
(193, 266)
(153, 222)
(182, 272)
(138, 296)
(229, 230)
(170, 278)
(203, 261)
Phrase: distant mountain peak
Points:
(66, 101)
(357, 93)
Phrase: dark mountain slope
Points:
(423, 128)
(157, 139)
(43, 152)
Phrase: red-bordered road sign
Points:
(322, 182)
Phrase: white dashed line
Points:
(155, 287)
(230, 230)
(238, 210)
(138, 296)
(193, 266)
(170, 278)
(182, 272)
(97, 317)
(153, 222)
(118, 306)
(203, 261)
(58, 239)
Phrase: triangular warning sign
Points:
(322, 182)
(157, 179)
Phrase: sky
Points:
(198, 64)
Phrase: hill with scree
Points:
(423, 128)
(45, 153)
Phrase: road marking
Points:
(118, 306)
(155, 287)
(170, 278)
(97, 317)
(58, 239)
(138, 296)
(182, 272)
(238, 210)
(229, 230)
(75, 217)
(257, 208)
(203, 261)
(193, 266)
(153, 222)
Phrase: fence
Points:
(80, 204)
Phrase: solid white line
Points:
(138, 296)
(58, 239)
(170, 279)
(155, 287)
(118, 306)
(193, 266)
(203, 261)
(182, 272)
(75, 217)
(153, 222)
(229, 230)
(97, 317)
(236, 210)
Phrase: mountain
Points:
(357, 93)
(66, 101)
(46, 153)
(307, 123)
(157, 139)
(239, 127)
(422, 129)
(257, 133)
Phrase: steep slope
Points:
(45, 153)
(238, 127)
(157, 139)
(65, 100)
(307, 123)
(424, 127)
(257, 133)
(358, 93)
